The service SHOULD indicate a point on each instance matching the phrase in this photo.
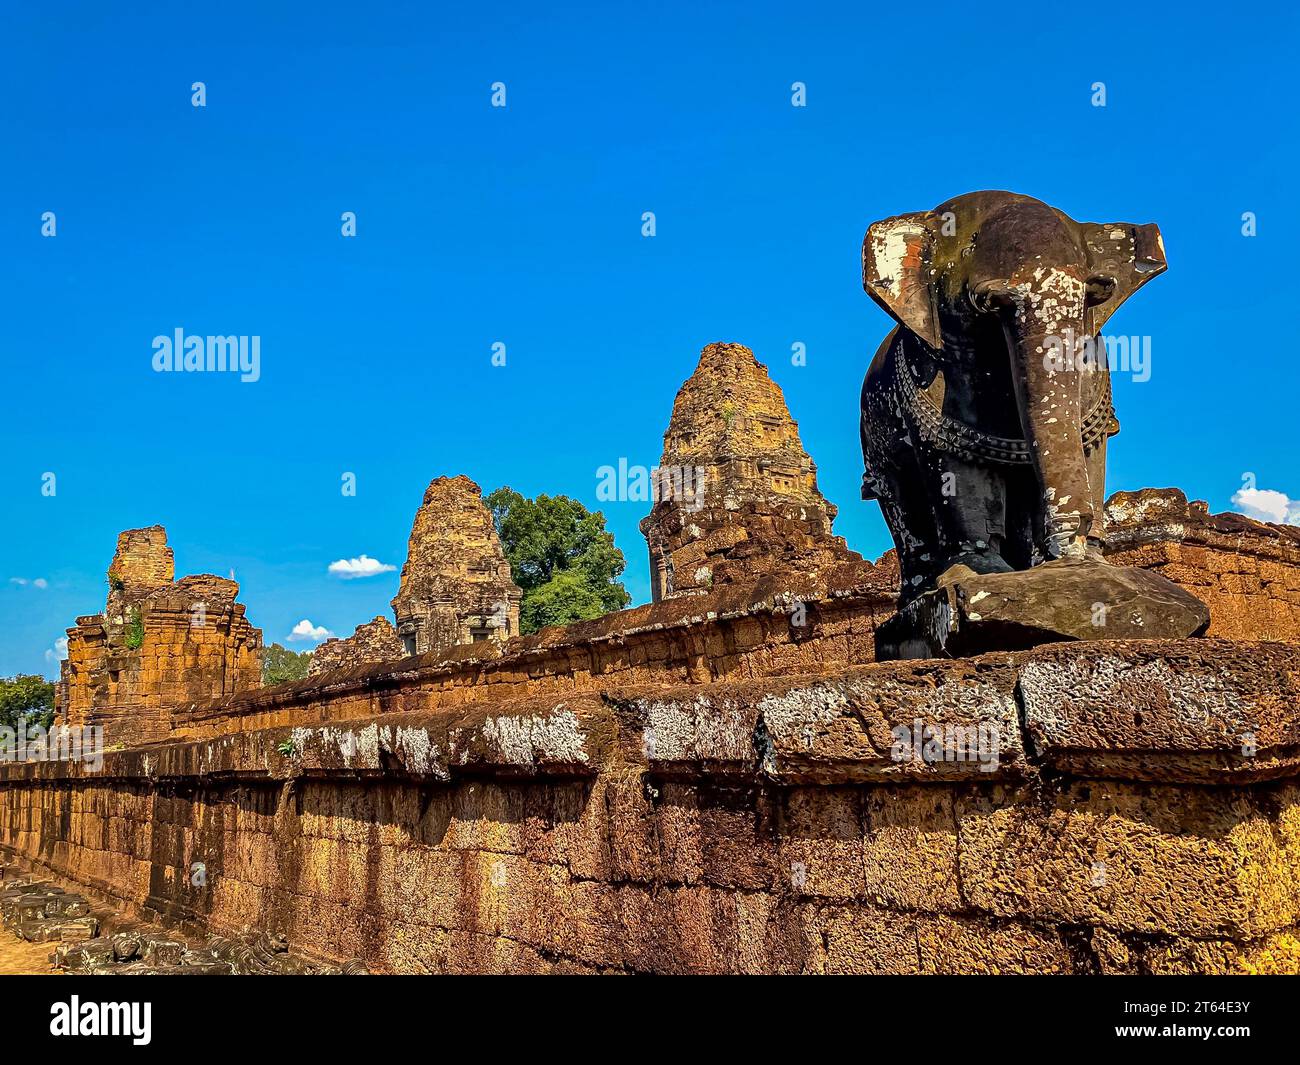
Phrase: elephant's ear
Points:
(896, 272)
(1130, 255)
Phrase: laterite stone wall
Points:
(770, 825)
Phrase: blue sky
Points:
(478, 225)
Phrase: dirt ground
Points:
(20, 958)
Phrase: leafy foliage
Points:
(561, 557)
(564, 598)
(26, 699)
(279, 664)
(134, 628)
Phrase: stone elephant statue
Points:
(985, 413)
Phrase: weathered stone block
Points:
(1119, 856)
(972, 613)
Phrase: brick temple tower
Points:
(456, 584)
(736, 493)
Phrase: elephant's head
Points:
(996, 267)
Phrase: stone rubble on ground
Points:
(41, 912)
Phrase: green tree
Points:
(564, 598)
(279, 664)
(26, 699)
(561, 556)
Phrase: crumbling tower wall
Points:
(157, 644)
(736, 493)
(142, 562)
(375, 641)
(456, 584)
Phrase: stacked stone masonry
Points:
(798, 625)
(375, 641)
(1247, 572)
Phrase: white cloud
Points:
(305, 630)
(365, 566)
(59, 651)
(39, 582)
(1265, 504)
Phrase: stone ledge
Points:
(1164, 515)
(1196, 705)
(1183, 711)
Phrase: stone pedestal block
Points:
(971, 613)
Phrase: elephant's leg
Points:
(1025, 519)
(915, 560)
(971, 512)
(894, 479)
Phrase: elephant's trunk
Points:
(1044, 334)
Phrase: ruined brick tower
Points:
(375, 641)
(736, 493)
(456, 584)
(158, 643)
